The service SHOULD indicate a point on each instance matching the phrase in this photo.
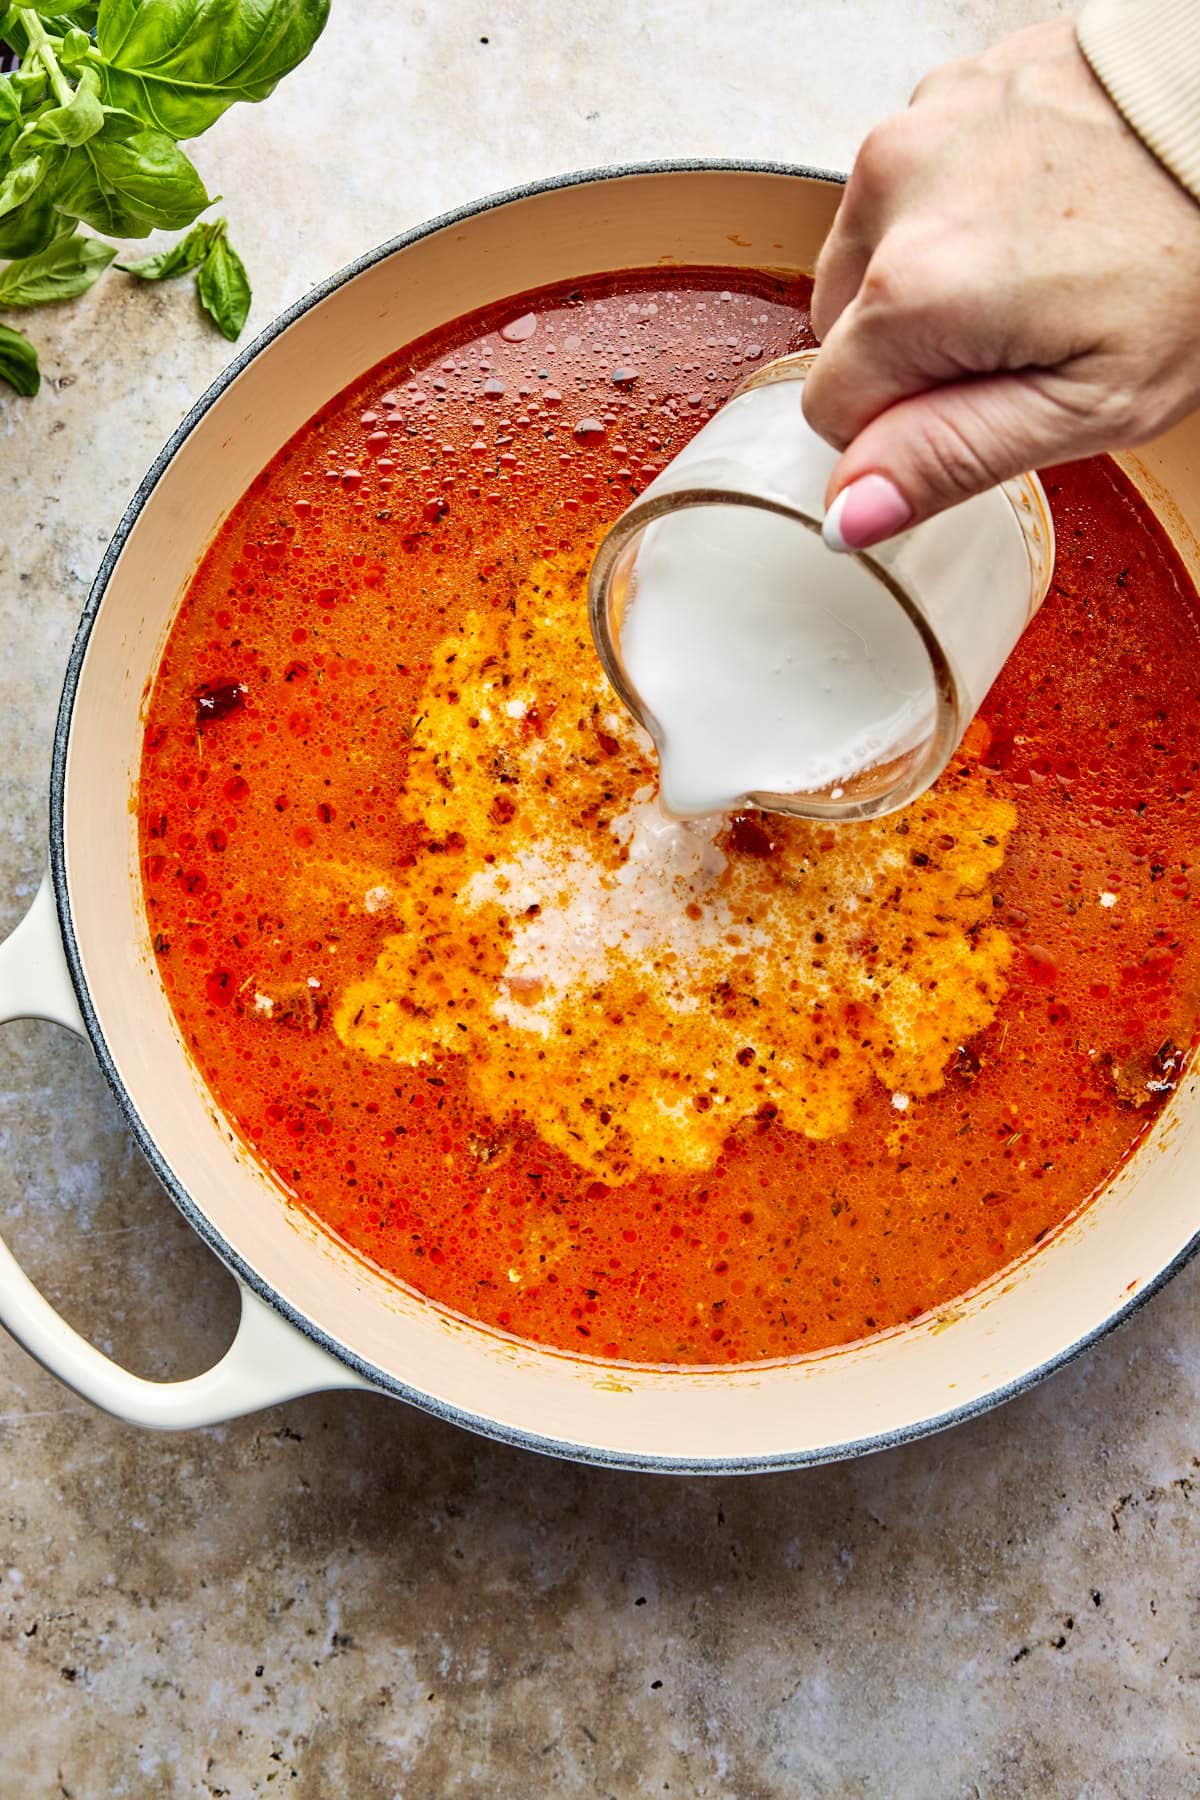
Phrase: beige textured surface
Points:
(342, 1597)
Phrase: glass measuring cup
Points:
(879, 660)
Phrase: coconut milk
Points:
(768, 663)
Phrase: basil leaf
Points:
(224, 288)
(129, 179)
(30, 85)
(68, 267)
(11, 122)
(180, 63)
(29, 228)
(72, 124)
(12, 31)
(18, 361)
(187, 253)
(21, 181)
(75, 46)
(166, 264)
(10, 106)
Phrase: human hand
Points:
(1012, 280)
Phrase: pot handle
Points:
(268, 1361)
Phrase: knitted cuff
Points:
(1146, 53)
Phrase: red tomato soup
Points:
(399, 858)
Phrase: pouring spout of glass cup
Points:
(775, 673)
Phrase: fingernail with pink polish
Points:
(869, 510)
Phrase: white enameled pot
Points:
(313, 1315)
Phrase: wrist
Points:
(1146, 56)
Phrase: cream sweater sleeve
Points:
(1147, 55)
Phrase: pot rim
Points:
(199, 1221)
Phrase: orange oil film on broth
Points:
(740, 1097)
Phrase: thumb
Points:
(932, 450)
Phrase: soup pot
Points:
(314, 1315)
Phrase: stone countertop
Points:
(344, 1597)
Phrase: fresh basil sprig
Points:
(90, 123)
(222, 284)
(184, 254)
